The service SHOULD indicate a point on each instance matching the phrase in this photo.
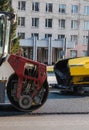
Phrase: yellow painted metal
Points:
(79, 66)
(80, 80)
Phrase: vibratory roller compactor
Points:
(24, 81)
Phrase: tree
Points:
(4, 5)
(15, 46)
(14, 41)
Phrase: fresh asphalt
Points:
(64, 111)
(56, 103)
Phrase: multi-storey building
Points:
(59, 19)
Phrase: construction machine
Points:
(72, 74)
(22, 81)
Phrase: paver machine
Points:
(22, 80)
(73, 74)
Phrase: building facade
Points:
(58, 20)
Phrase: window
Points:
(35, 35)
(35, 22)
(62, 8)
(74, 9)
(61, 23)
(61, 36)
(48, 23)
(22, 35)
(86, 25)
(74, 24)
(85, 40)
(49, 7)
(84, 53)
(73, 53)
(74, 38)
(35, 6)
(21, 5)
(21, 21)
(48, 35)
(86, 10)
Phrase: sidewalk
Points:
(51, 78)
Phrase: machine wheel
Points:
(25, 103)
(78, 90)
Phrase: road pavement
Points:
(58, 103)
(50, 116)
(64, 103)
(45, 122)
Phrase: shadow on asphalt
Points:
(9, 110)
(65, 95)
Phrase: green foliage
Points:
(4, 5)
(15, 46)
(14, 41)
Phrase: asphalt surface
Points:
(61, 111)
(57, 103)
(45, 122)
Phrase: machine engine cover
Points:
(72, 71)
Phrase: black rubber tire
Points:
(78, 90)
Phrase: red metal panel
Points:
(18, 64)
